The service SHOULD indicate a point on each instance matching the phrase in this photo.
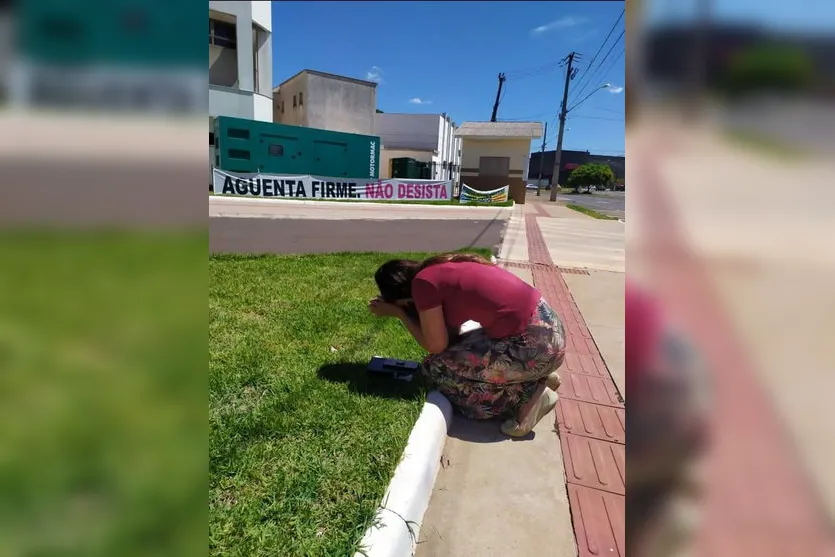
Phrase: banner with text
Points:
(320, 187)
(470, 195)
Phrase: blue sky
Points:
(433, 57)
(773, 14)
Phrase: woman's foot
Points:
(543, 405)
(553, 381)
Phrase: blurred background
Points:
(103, 280)
(103, 276)
(730, 132)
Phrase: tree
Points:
(590, 175)
(769, 67)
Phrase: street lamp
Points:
(595, 90)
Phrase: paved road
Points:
(272, 235)
(608, 203)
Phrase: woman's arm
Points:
(429, 330)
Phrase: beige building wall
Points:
(283, 110)
(516, 149)
(326, 102)
(387, 154)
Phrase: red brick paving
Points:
(590, 418)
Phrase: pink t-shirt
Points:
(497, 299)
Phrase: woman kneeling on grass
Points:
(507, 368)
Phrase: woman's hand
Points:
(384, 309)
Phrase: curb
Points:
(497, 249)
(247, 199)
(399, 517)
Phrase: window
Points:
(294, 101)
(255, 33)
(238, 154)
(276, 150)
(211, 138)
(237, 133)
(282, 107)
(222, 33)
(494, 166)
(301, 99)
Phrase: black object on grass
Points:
(392, 368)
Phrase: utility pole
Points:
(498, 95)
(541, 161)
(569, 75)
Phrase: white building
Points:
(240, 60)
(326, 101)
(424, 137)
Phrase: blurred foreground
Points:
(103, 280)
(730, 223)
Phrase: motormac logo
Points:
(372, 168)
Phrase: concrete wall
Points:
(387, 154)
(328, 104)
(518, 150)
(408, 131)
(338, 105)
(234, 90)
(231, 102)
(284, 94)
(262, 13)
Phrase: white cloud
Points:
(615, 90)
(375, 74)
(561, 23)
(418, 100)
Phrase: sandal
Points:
(547, 401)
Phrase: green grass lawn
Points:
(590, 212)
(302, 443)
(103, 393)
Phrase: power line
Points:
(600, 65)
(599, 118)
(583, 81)
(614, 61)
(534, 71)
(607, 110)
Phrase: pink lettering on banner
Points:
(421, 191)
(379, 191)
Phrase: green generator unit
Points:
(249, 146)
(411, 169)
(404, 167)
(152, 33)
(424, 171)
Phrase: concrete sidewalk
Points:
(500, 497)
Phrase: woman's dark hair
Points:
(394, 278)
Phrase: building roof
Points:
(329, 76)
(497, 130)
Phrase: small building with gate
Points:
(496, 154)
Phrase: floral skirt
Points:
(487, 378)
